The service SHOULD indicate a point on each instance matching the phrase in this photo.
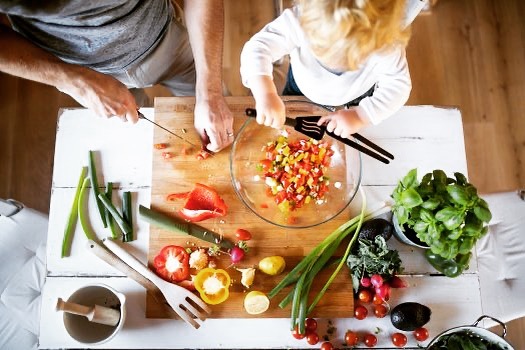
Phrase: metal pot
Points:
(482, 333)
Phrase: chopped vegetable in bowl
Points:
(290, 180)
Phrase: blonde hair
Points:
(346, 32)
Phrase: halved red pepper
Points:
(202, 203)
(172, 263)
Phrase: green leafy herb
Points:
(373, 258)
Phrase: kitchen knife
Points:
(141, 116)
(183, 227)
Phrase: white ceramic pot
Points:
(86, 332)
(403, 238)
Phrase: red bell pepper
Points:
(172, 263)
(202, 203)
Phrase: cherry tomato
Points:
(351, 338)
(312, 338)
(421, 334)
(380, 310)
(399, 340)
(370, 340)
(242, 234)
(310, 325)
(376, 300)
(327, 346)
(360, 312)
(365, 296)
(296, 333)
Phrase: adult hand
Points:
(214, 122)
(343, 123)
(103, 94)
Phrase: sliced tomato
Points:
(172, 263)
(203, 202)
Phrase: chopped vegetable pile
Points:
(295, 172)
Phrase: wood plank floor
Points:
(466, 53)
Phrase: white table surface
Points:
(422, 137)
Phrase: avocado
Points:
(410, 315)
(376, 227)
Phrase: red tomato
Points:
(370, 340)
(360, 312)
(365, 296)
(380, 310)
(296, 333)
(242, 234)
(376, 300)
(421, 334)
(172, 263)
(351, 338)
(310, 324)
(399, 340)
(327, 346)
(312, 338)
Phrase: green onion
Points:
(109, 219)
(82, 210)
(126, 229)
(94, 186)
(73, 215)
(319, 258)
(127, 214)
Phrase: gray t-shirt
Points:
(104, 35)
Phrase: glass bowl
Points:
(254, 189)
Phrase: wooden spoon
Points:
(97, 313)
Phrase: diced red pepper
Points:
(160, 145)
(167, 155)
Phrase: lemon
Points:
(256, 302)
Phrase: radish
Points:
(376, 280)
(365, 282)
(236, 254)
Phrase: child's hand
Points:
(270, 108)
(271, 111)
(343, 123)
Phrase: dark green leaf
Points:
(460, 178)
(440, 176)
(431, 203)
(458, 194)
(447, 213)
(482, 213)
(410, 198)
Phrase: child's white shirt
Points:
(284, 36)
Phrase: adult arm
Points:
(101, 93)
(213, 118)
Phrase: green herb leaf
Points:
(410, 198)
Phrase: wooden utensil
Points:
(120, 265)
(97, 314)
(179, 298)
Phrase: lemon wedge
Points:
(256, 302)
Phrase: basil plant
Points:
(446, 213)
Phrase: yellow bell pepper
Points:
(213, 285)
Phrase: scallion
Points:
(73, 215)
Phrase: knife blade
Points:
(141, 116)
(183, 227)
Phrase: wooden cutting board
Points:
(182, 171)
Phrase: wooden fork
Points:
(185, 304)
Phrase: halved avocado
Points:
(410, 315)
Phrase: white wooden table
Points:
(422, 137)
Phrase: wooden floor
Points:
(466, 53)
